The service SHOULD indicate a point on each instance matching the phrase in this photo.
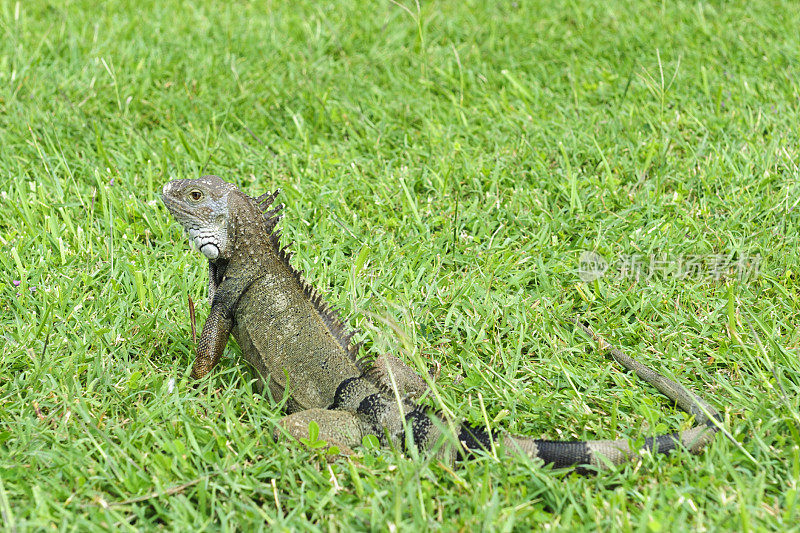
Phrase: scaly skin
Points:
(294, 341)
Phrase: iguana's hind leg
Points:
(343, 429)
(393, 373)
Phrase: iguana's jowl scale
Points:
(293, 340)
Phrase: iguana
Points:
(294, 341)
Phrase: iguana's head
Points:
(201, 207)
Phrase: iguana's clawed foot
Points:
(336, 428)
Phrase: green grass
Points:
(443, 171)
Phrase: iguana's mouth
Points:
(176, 208)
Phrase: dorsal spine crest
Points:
(329, 315)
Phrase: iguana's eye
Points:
(196, 195)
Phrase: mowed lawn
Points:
(450, 170)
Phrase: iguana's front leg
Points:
(212, 342)
(212, 281)
(218, 325)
